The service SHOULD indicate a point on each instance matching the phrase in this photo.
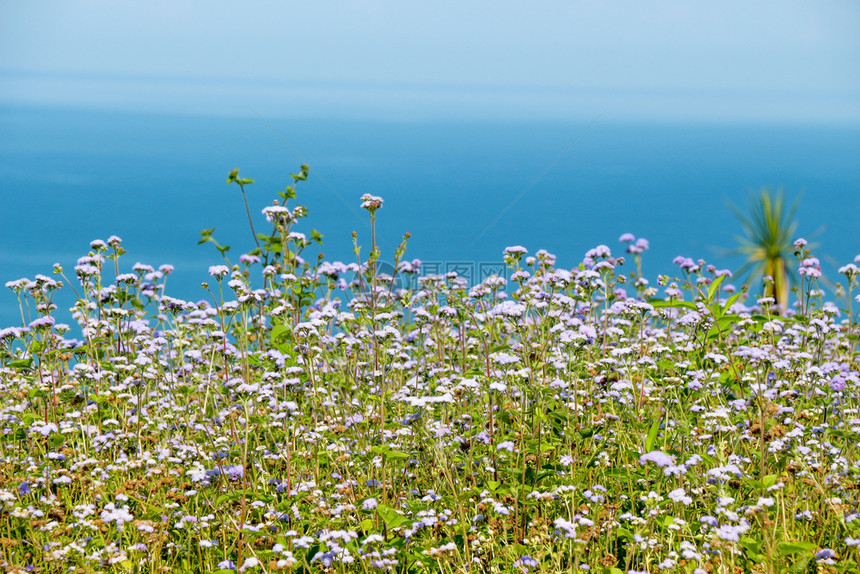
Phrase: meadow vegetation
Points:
(316, 416)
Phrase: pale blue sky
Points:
(658, 60)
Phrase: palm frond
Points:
(769, 228)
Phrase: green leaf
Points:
(732, 300)
(661, 304)
(750, 544)
(391, 517)
(714, 287)
(21, 363)
(466, 495)
(426, 561)
(755, 484)
(227, 498)
(802, 566)
(789, 548)
(769, 480)
(722, 325)
(652, 435)
(666, 364)
(625, 534)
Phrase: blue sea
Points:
(464, 189)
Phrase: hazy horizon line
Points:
(406, 101)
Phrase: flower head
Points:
(218, 271)
(371, 202)
(658, 457)
(525, 563)
(279, 215)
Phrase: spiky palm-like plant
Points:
(769, 227)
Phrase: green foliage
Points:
(206, 237)
(769, 231)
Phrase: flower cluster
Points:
(298, 422)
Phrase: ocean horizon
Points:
(464, 189)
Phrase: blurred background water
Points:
(155, 180)
(482, 124)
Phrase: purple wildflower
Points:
(41, 322)
(659, 458)
(235, 472)
(837, 383)
(516, 251)
(218, 271)
(730, 532)
(566, 527)
(825, 554)
(526, 562)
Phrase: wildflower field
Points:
(315, 416)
